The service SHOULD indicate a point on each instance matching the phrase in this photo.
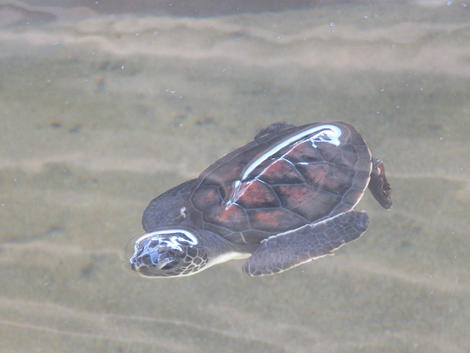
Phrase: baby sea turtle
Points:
(283, 199)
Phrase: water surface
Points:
(104, 107)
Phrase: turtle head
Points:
(168, 253)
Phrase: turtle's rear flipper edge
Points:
(379, 185)
(284, 251)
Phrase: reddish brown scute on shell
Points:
(282, 181)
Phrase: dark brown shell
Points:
(282, 181)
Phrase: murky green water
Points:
(103, 107)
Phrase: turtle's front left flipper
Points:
(287, 250)
(168, 208)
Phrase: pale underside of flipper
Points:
(284, 251)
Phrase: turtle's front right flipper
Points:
(284, 251)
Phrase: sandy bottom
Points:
(100, 113)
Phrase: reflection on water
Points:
(102, 108)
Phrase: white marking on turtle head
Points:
(328, 133)
(169, 238)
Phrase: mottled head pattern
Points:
(168, 253)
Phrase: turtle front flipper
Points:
(379, 185)
(272, 130)
(168, 208)
(284, 251)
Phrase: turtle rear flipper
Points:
(287, 250)
(379, 185)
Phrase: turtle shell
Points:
(282, 180)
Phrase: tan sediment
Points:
(438, 283)
(96, 325)
(98, 163)
(365, 48)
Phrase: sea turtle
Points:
(284, 199)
